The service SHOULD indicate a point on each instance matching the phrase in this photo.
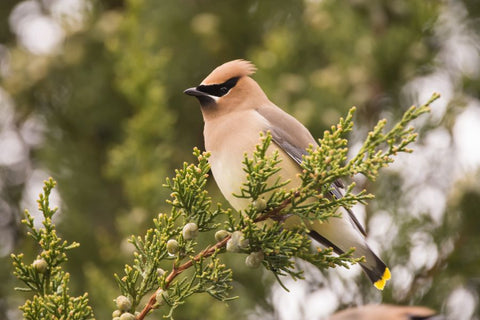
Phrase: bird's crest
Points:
(236, 68)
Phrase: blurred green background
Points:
(91, 94)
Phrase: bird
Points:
(235, 111)
(387, 312)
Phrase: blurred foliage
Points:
(110, 107)
(45, 277)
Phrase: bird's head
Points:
(228, 88)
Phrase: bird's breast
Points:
(228, 139)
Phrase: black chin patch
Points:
(205, 101)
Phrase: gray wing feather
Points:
(337, 193)
(296, 152)
(293, 151)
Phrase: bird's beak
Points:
(204, 98)
(194, 92)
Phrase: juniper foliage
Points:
(270, 200)
(258, 232)
(45, 277)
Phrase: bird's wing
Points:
(293, 138)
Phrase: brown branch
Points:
(207, 252)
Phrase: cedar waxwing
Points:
(387, 312)
(235, 110)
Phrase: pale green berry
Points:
(172, 246)
(237, 242)
(254, 259)
(116, 318)
(160, 296)
(160, 272)
(123, 303)
(221, 234)
(116, 313)
(127, 316)
(260, 204)
(242, 242)
(40, 265)
(232, 246)
(190, 231)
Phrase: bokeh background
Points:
(91, 94)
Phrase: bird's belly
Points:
(227, 169)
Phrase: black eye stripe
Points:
(219, 90)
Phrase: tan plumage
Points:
(239, 68)
(386, 312)
(235, 110)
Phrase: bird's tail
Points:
(374, 268)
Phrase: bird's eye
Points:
(224, 90)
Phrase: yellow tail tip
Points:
(380, 284)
